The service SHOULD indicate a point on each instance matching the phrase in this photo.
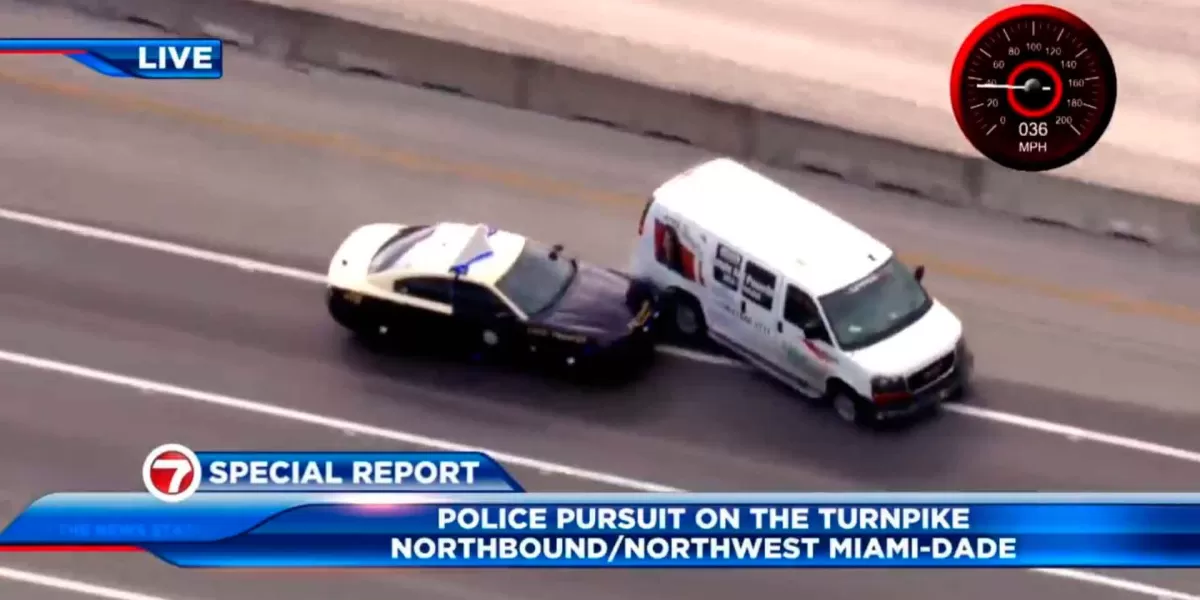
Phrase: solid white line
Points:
(703, 357)
(281, 412)
(343, 425)
(145, 243)
(70, 585)
(995, 416)
(1069, 431)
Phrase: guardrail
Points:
(504, 76)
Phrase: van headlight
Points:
(888, 384)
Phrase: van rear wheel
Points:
(687, 318)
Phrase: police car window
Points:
(726, 266)
(476, 299)
(538, 279)
(395, 248)
(759, 285)
(434, 289)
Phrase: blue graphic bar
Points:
(234, 529)
(141, 58)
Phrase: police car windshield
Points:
(536, 281)
(876, 307)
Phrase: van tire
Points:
(849, 406)
(686, 316)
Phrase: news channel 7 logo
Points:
(137, 58)
(171, 473)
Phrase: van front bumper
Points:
(952, 386)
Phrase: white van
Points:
(800, 293)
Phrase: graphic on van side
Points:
(671, 251)
(759, 286)
(726, 266)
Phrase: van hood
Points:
(931, 337)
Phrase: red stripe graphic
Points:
(56, 52)
(66, 548)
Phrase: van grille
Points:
(932, 373)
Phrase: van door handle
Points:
(779, 326)
(743, 307)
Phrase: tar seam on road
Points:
(251, 265)
(149, 387)
(548, 186)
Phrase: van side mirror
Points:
(919, 273)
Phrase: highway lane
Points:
(282, 163)
(220, 329)
(217, 180)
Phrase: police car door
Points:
(757, 311)
(805, 349)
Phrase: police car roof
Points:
(479, 252)
(773, 224)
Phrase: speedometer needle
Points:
(1031, 85)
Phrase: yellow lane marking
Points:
(549, 186)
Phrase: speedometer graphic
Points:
(1033, 87)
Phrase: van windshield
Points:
(875, 307)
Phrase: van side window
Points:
(726, 266)
(672, 252)
(801, 311)
(759, 286)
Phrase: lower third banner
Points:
(625, 530)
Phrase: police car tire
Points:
(681, 304)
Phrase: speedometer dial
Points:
(1033, 87)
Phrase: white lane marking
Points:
(404, 437)
(63, 584)
(703, 357)
(1124, 585)
(145, 243)
(343, 425)
(1076, 433)
(1068, 431)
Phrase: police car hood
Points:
(929, 338)
(595, 303)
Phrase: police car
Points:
(798, 292)
(487, 292)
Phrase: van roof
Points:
(768, 221)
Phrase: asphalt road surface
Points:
(277, 165)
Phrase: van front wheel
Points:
(850, 408)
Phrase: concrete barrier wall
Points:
(741, 130)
